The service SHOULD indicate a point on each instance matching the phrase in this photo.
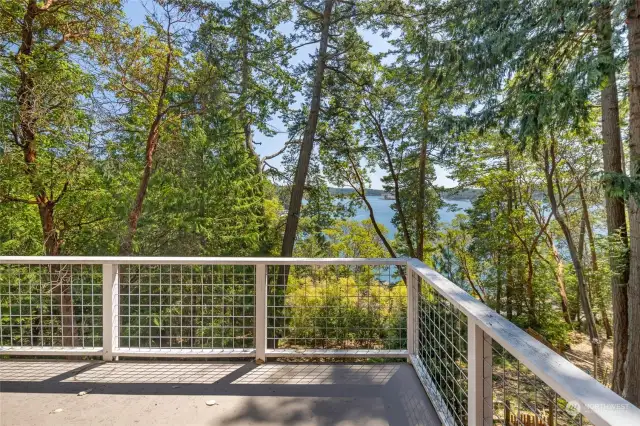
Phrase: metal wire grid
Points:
(520, 398)
(441, 346)
(187, 306)
(53, 306)
(336, 307)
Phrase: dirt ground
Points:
(580, 355)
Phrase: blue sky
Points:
(268, 145)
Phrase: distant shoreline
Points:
(454, 194)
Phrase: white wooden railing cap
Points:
(148, 260)
(595, 401)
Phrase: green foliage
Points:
(484, 88)
(242, 40)
(47, 145)
(621, 186)
(344, 310)
(98, 94)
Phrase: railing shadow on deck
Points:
(178, 377)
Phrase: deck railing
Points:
(477, 367)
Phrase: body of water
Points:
(384, 213)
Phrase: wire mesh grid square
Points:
(187, 306)
(53, 306)
(441, 346)
(336, 307)
(520, 398)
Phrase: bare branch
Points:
(8, 198)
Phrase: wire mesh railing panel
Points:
(520, 398)
(441, 347)
(50, 306)
(186, 307)
(347, 307)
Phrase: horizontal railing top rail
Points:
(591, 398)
(148, 260)
(597, 403)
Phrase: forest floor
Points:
(579, 353)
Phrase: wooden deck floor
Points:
(165, 392)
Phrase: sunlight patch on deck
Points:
(318, 374)
(156, 372)
(36, 371)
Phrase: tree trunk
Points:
(362, 193)
(472, 283)
(550, 170)
(381, 235)
(422, 173)
(615, 208)
(529, 250)
(306, 147)
(396, 184)
(595, 281)
(509, 291)
(632, 371)
(531, 298)
(244, 113)
(498, 284)
(60, 283)
(28, 142)
(304, 158)
(244, 88)
(126, 248)
(509, 284)
(559, 273)
(372, 216)
(520, 293)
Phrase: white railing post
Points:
(412, 298)
(261, 313)
(110, 295)
(480, 392)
